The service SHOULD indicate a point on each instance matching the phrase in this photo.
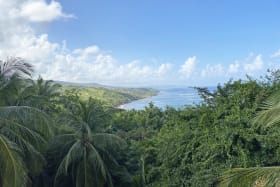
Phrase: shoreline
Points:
(122, 106)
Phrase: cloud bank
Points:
(91, 64)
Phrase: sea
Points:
(173, 97)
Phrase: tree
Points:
(13, 71)
(13, 67)
(39, 93)
(23, 130)
(85, 152)
(23, 135)
(258, 176)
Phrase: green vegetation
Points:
(113, 96)
(49, 138)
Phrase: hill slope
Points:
(111, 95)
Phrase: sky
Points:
(143, 43)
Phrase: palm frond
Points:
(68, 122)
(72, 155)
(21, 132)
(95, 157)
(255, 176)
(270, 113)
(13, 172)
(15, 66)
(108, 141)
(31, 117)
(28, 141)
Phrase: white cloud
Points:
(234, 68)
(251, 65)
(98, 67)
(87, 51)
(212, 70)
(55, 61)
(163, 69)
(91, 64)
(188, 67)
(254, 66)
(275, 54)
(40, 11)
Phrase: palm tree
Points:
(13, 67)
(86, 153)
(257, 176)
(12, 72)
(23, 130)
(44, 88)
(23, 135)
(39, 94)
(18, 90)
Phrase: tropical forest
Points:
(53, 137)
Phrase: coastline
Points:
(122, 106)
(176, 98)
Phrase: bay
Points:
(174, 97)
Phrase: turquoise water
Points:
(174, 97)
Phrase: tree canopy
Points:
(53, 138)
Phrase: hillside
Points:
(112, 95)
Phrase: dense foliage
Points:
(53, 139)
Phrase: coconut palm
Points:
(44, 88)
(12, 72)
(258, 176)
(86, 153)
(23, 130)
(38, 93)
(18, 90)
(23, 135)
(13, 67)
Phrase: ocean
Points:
(174, 97)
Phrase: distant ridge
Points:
(97, 85)
(114, 96)
(64, 83)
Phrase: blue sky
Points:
(152, 42)
(173, 30)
